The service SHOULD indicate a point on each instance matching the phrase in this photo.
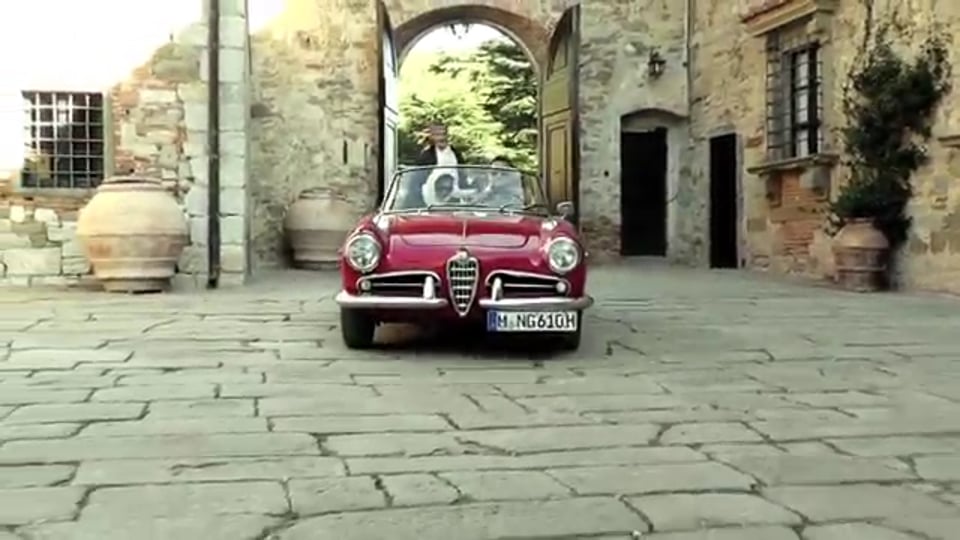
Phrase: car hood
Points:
(467, 229)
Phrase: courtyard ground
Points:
(703, 405)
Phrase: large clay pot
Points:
(133, 232)
(316, 224)
(860, 254)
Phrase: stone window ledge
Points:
(950, 141)
(10, 186)
(815, 171)
(812, 161)
(53, 193)
(770, 15)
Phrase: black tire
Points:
(357, 329)
(570, 341)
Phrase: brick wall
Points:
(784, 221)
(152, 77)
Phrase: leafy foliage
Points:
(468, 125)
(502, 75)
(889, 108)
(487, 98)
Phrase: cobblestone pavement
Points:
(718, 406)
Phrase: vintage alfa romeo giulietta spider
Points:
(465, 245)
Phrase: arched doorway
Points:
(555, 55)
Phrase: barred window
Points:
(794, 98)
(64, 139)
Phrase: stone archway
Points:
(549, 36)
(529, 33)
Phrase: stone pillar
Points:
(235, 101)
(234, 108)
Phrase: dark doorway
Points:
(643, 193)
(723, 202)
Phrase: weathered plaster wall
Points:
(154, 80)
(148, 78)
(315, 120)
(617, 38)
(790, 237)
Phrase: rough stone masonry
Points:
(700, 405)
(298, 105)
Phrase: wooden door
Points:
(389, 104)
(559, 119)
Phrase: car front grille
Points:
(527, 285)
(402, 284)
(463, 271)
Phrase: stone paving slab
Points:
(701, 406)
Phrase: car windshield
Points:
(465, 187)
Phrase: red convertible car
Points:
(465, 245)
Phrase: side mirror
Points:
(565, 209)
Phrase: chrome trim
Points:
(347, 300)
(463, 256)
(403, 273)
(496, 291)
(527, 275)
(427, 299)
(561, 238)
(558, 303)
(354, 238)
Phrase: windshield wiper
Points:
(526, 208)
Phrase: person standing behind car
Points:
(443, 156)
(439, 152)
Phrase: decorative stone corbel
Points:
(770, 15)
(950, 141)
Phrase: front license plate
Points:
(532, 321)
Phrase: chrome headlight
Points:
(563, 255)
(363, 253)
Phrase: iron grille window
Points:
(794, 98)
(64, 139)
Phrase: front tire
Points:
(357, 329)
(570, 341)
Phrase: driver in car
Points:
(503, 186)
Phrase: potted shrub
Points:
(889, 105)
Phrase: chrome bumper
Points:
(428, 300)
(347, 300)
(548, 303)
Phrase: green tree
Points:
(469, 126)
(503, 78)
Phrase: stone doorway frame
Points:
(529, 34)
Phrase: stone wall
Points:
(156, 109)
(315, 117)
(784, 207)
(614, 84)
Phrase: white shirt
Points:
(446, 157)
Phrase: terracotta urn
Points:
(316, 225)
(133, 232)
(860, 254)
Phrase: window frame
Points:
(105, 120)
(789, 137)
